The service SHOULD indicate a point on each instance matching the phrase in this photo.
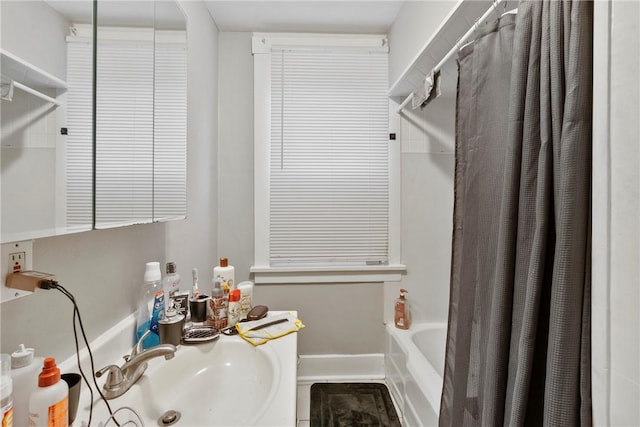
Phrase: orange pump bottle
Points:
(402, 317)
(48, 404)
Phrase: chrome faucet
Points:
(121, 378)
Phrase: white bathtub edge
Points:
(422, 372)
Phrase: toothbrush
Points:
(195, 291)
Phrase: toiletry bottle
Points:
(246, 296)
(225, 273)
(25, 368)
(171, 282)
(150, 306)
(48, 404)
(234, 314)
(218, 305)
(6, 391)
(402, 312)
(195, 290)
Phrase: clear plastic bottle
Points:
(6, 391)
(170, 283)
(150, 306)
(25, 368)
(49, 403)
(218, 304)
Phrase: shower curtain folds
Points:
(518, 347)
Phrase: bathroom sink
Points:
(215, 384)
(226, 382)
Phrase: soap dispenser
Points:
(402, 311)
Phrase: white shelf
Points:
(455, 25)
(19, 70)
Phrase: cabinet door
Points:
(140, 113)
(46, 119)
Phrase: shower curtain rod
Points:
(454, 50)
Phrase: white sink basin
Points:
(228, 383)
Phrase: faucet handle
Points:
(115, 377)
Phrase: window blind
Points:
(141, 128)
(79, 147)
(170, 130)
(329, 177)
(124, 132)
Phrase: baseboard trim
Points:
(340, 367)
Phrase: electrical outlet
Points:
(17, 261)
(16, 256)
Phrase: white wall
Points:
(192, 243)
(340, 318)
(415, 24)
(616, 293)
(35, 32)
(427, 141)
(103, 269)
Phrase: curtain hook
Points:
(495, 9)
(458, 45)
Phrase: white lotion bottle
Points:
(246, 298)
(225, 274)
(49, 403)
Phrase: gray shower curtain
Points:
(518, 344)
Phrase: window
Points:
(322, 160)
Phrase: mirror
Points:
(47, 141)
(46, 146)
(141, 113)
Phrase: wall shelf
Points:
(18, 69)
(462, 17)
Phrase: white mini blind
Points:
(124, 132)
(329, 177)
(141, 127)
(79, 146)
(170, 130)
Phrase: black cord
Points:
(64, 291)
(52, 284)
(75, 336)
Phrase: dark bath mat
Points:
(352, 405)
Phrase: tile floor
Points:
(303, 404)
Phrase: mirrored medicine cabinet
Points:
(93, 134)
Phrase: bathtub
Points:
(414, 365)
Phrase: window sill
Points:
(329, 274)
